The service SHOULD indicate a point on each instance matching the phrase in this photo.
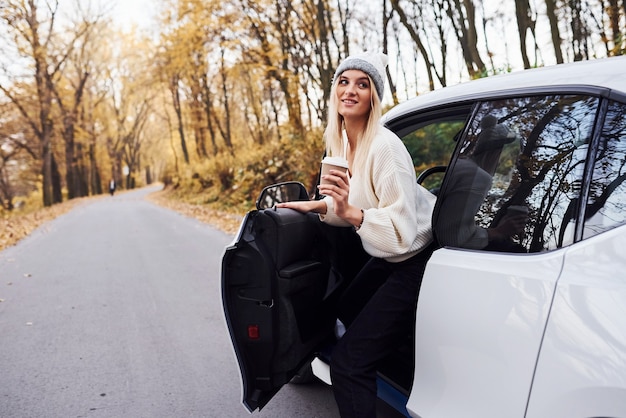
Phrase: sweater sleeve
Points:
(399, 224)
(331, 217)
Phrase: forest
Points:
(217, 99)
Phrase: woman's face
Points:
(354, 95)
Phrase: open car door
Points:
(278, 291)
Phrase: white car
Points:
(522, 311)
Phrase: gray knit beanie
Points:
(371, 63)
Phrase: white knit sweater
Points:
(397, 211)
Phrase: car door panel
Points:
(480, 320)
(505, 215)
(581, 370)
(274, 292)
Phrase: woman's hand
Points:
(338, 188)
(316, 206)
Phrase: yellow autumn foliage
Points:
(231, 182)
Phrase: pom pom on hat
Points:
(371, 63)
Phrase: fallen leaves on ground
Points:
(18, 226)
(226, 222)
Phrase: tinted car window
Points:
(431, 141)
(606, 205)
(515, 183)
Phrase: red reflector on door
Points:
(253, 332)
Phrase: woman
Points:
(391, 213)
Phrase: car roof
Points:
(603, 73)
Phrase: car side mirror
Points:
(289, 191)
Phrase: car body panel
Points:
(582, 367)
(480, 321)
(557, 78)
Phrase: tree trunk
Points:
(179, 115)
(81, 173)
(554, 30)
(45, 124)
(197, 118)
(207, 103)
(46, 175)
(386, 20)
(69, 113)
(71, 176)
(463, 19)
(614, 19)
(276, 113)
(579, 31)
(524, 23)
(95, 179)
(57, 191)
(395, 4)
(46, 169)
(225, 130)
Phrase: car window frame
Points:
(411, 120)
(595, 147)
(592, 154)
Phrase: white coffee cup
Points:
(333, 163)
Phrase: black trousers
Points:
(378, 310)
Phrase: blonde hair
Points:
(333, 133)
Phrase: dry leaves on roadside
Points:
(16, 227)
(226, 222)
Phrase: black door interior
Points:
(277, 295)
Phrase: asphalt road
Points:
(114, 310)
